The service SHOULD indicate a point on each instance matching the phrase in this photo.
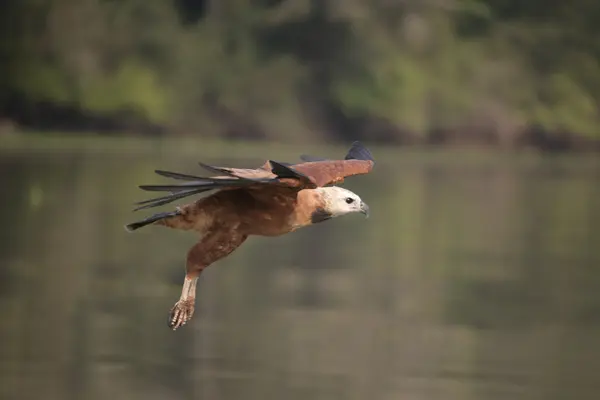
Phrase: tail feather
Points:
(150, 220)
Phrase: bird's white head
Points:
(339, 201)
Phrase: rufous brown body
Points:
(271, 200)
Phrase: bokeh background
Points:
(476, 276)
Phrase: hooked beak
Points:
(364, 209)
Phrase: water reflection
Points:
(467, 282)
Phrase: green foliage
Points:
(39, 81)
(280, 67)
(227, 74)
(394, 89)
(132, 86)
(569, 106)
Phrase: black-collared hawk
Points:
(271, 200)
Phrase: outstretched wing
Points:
(358, 161)
(272, 173)
(314, 171)
(298, 176)
(319, 171)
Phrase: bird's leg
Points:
(183, 310)
(210, 249)
(196, 261)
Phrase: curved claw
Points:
(181, 313)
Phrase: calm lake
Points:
(473, 279)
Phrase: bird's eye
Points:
(349, 200)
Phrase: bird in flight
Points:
(272, 200)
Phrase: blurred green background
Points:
(476, 276)
(504, 73)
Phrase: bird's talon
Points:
(181, 313)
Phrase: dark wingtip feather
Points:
(203, 183)
(159, 201)
(359, 152)
(283, 171)
(177, 175)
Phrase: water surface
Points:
(470, 280)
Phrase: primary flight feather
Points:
(272, 200)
